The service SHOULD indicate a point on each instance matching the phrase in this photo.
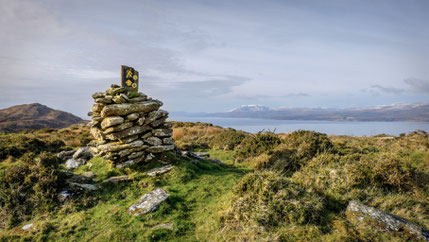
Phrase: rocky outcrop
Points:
(359, 212)
(129, 127)
(149, 202)
(159, 170)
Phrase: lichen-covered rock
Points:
(98, 95)
(149, 202)
(127, 132)
(116, 179)
(154, 141)
(114, 147)
(155, 115)
(162, 132)
(85, 153)
(160, 148)
(97, 108)
(72, 163)
(127, 108)
(168, 141)
(358, 212)
(117, 128)
(133, 116)
(111, 121)
(96, 133)
(159, 170)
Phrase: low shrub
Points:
(307, 144)
(27, 187)
(265, 201)
(227, 139)
(17, 145)
(256, 144)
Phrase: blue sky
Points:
(216, 55)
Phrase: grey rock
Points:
(137, 99)
(167, 125)
(126, 152)
(149, 202)
(162, 132)
(116, 179)
(159, 170)
(154, 115)
(127, 132)
(76, 178)
(359, 212)
(129, 139)
(111, 121)
(154, 141)
(89, 187)
(127, 108)
(168, 141)
(136, 154)
(147, 135)
(118, 128)
(158, 122)
(72, 163)
(85, 153)
(160, 148)
(66, 154)
(89, 174)
(113, 147)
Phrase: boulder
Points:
(159, 170)
(66, 154)
(160, 148)
(360, 213)
(111, 121)
(72, 163)
(127, 108)
(149, 202)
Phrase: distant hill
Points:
(417, 112)
(34, 116)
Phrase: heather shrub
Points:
(17, 145)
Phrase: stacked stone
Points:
(129, 127)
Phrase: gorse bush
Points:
(28, 186)
(256, 144)
(307, 144)
(227, 139)
(265, 201)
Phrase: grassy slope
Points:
(201, 195)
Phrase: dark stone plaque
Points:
(129, 79)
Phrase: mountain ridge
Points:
(34, 116)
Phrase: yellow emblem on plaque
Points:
(134, 85)
(129, 82)
(135, 77)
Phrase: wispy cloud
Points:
(418, 85)
(390, 90)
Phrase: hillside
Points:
(34, 116)
(272, 187)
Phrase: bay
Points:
(328, 127)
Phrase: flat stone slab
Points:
(359, 212)
(116, 179)
(89, 187)
(159, 170)
(149, 202)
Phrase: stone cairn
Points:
(128, 127)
